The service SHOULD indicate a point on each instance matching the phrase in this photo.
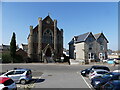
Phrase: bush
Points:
(18, 59)
(6, 58)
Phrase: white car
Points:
(19, 75)
(118, 71)
(105, 60)
(97, 72)
(7, 84)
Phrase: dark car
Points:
(87, 71)
(111, 85)
(97, 82)
(117, 60)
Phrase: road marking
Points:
(39, 78)
(85, 81)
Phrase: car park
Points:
(97, 82)
(7, 84)
(19, 75)
(87, 71)
(97, 72)
(111, 85)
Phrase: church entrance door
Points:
(48, 53)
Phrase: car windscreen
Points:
(29, 72)
(101, 72)
(8, 82)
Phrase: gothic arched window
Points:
(48, 36)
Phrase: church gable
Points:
(48, 21)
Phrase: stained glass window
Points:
(48, 36)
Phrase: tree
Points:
(13, 47)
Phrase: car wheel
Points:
(23, 81)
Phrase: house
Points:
(22, 53)
(4, 48)
(88, 47)
(24, 47)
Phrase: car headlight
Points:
(97, 82)
(83, 71)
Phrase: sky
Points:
(74, 18)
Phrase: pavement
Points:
(55, 75)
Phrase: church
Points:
(45, 41)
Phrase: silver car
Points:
(19, 75)
(97, 72)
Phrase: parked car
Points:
(110, 61)
(97, 72)
(87, 71)
(105, 60)
(117, 60)
(97, 82)
(117, 71)
(111, 85)
(7, 84)
(19, 75)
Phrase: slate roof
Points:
(80, 38)
(71, 42)
(98, 35)
(83, 37)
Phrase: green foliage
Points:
(6, 58)
(18, 59)
(13, 47)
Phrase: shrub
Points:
(18, 59)
(6, 58)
